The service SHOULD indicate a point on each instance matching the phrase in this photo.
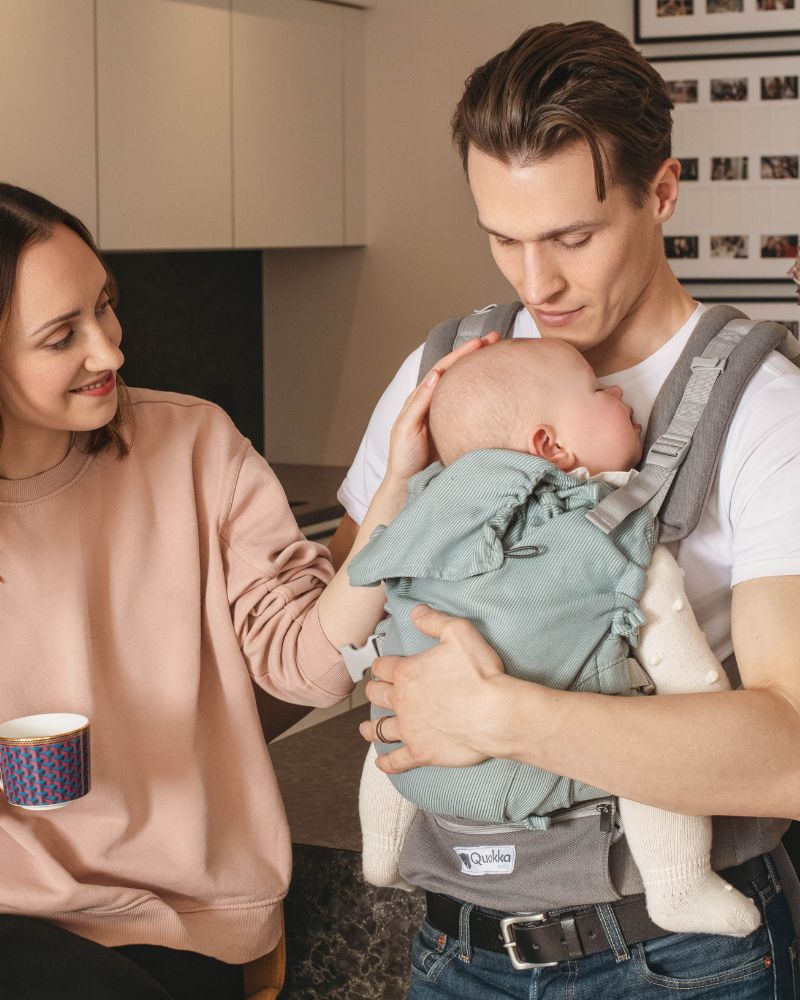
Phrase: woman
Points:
(151, 569)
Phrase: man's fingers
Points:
(380, 694)
(431, 622)
(383, 668)
(383, 730)
(397, 760)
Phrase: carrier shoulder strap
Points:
(452, 332)
(724, 340)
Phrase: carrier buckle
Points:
(705, 364)
(359, 660)
(668, 451)
(506, 925)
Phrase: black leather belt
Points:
(540, 939)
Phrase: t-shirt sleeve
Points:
(763, 488)
(369, 466)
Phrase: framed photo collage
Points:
(736, 132)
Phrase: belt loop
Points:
(772, 872)
(613, 934)
(463, 931)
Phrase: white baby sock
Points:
(672, 851)
(385, 818)
(683, 893)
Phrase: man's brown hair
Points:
(562, 83)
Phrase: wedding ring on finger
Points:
(379, 730)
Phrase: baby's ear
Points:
(543, 443)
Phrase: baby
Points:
(541, 400)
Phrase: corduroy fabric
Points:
(493, 539)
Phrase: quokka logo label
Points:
(489, 860)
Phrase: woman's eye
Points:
(103, 307)
(59, 345)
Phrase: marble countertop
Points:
(318, 771)
(345, 939)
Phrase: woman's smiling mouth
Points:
(102, 387)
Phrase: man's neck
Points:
(660, 311)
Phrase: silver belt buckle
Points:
(511, 945)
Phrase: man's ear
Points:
(543, 443)
(665, 189)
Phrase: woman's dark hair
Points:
(27, 218)
(562, 83)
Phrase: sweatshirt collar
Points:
(46, 483)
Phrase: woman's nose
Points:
(104, 352)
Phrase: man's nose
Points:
(542, 278)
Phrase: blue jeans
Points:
(762, 966)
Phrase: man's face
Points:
(580, 266)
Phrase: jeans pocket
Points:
(431, 952)
(713, 965)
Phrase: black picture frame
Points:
(740, 156)
(702, 24)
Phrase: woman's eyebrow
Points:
(58, 319)
(70, 315)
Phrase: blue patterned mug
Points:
(44, 760)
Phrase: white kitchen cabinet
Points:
(164, 124)
(355, 139)
(288, 123)
(188, 124)
(47, 105)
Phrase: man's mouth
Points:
(557, 318)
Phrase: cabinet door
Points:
(163, 84)
(47, 101)
(288, 123)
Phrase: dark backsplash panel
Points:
(192, 322)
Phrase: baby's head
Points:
(539, 397)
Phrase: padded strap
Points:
(668, 451)
(453, 332)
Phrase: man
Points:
(565, 139)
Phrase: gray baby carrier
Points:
(685, 438)
(492, 539)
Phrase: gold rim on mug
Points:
(41, 741)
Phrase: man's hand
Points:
(445, 700)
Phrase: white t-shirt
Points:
(750, 527)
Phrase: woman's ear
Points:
(543, 443)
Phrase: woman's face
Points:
(60, 351)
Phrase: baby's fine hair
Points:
(487, 397)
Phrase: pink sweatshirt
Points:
(147, 593)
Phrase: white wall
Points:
(339, 322)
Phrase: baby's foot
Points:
(702, 903)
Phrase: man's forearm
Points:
(730, 753)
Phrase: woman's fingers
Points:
(409, 448)
(468, 348)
